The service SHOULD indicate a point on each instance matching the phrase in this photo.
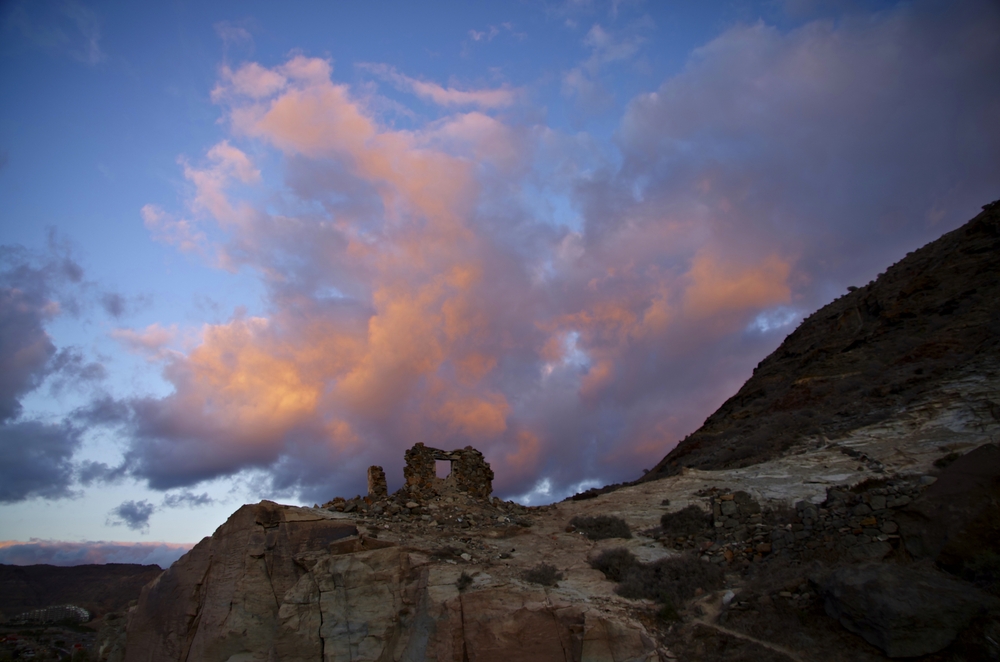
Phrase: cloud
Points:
(151, 341)
(133, 514)
(113, 303)
(34, 290)
(418, 291)
(37, 461)
(583, 82)
(186, 500)
(444, 96)
(52, 552)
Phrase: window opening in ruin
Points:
(442, 468)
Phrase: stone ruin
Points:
(377, 487)
(470, 473)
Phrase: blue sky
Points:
(248, 251)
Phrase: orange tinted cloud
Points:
(446, 326)
(720, 288)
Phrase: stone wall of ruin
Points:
(469, 471)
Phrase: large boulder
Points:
(957, 519)
(904, 610)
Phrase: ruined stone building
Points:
(470, 473)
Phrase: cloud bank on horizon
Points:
(467, 274)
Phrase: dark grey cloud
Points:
(38, 455)
(53, 552)
(114, 304)
(844, 143)
(187, 500)
(37, 460)
(133, 514)
(25, 348)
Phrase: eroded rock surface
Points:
(287, 583)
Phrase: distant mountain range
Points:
(97, 588)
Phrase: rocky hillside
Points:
(930, 321)
(842, 507)
(97, 588)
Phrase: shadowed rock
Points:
(905, 611)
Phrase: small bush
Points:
(601, 527)
(984, 571)
(670, 581)
(543, 574)
(945, 461)
(686, 522)
(464, 581)
(614, 563)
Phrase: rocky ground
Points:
(449, 576)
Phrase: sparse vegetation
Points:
(984, 571)
(464, 581)
(945, 460)
(614, 563)
(670, 581)
(685, 522)
(601, 527)
(543, 574)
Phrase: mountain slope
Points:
(931, 319)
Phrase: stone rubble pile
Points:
(449, 510)
(853, 525)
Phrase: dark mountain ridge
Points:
(931, 319)
(97, 588)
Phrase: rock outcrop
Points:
(287, 583)
(905, 611)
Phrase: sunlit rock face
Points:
(925, 334)
(287, 583)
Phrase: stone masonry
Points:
(470, 472)
(376, 483)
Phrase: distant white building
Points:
(56, 614)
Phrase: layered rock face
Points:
(926, 330)
(287, 583)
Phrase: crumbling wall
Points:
(376, 482)
(469, 471)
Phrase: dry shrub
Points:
(686, 522)
(945, 461)
(464, 581)
(601, 527)
(614, 563)
(543, 574)
(672, 580)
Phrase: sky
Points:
(248, 249)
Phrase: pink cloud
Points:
(151, 341)
(446, 96)
(423, 295)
